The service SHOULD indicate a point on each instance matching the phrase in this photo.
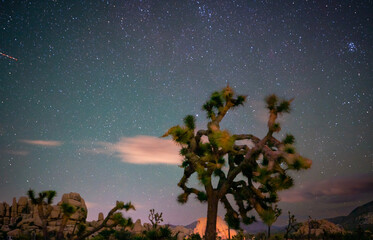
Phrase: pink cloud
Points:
(141, 150)
(292, 196)
(331, 190)
(42, 143)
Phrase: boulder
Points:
(14, 212)
(6, 220)
(181, 232)
(78, 202)
(55, 212)
(137, 227)
(25, 222)
(2, 209)
(319, 227)
(7, 210)
(100, 216)
(22, 201)
(94, 223)
(23, 205)
(147, 226)
(110, 222)
(74, 199)
(5, 228)
(14, 233)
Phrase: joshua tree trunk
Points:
(45, 230)
(43, 221)
(269, 232)
(212, 213)
(62, 227)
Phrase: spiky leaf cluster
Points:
(68, 209)
(255, 172)
(45, 197)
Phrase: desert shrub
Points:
(123, 235)
(260, 236)
(194, 236)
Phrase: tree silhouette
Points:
(292, 225)
(79, 223)
(155, 218)
(43, 203)
(114, 218)
(256, 170)
(270, 217)
(67, 210)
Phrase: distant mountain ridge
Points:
(362, 215)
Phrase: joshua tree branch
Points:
(119, 206)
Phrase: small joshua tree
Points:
(43, 203)
(270, 217)
(256, 171)
(155, 218)
(292, 225)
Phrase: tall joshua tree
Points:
(43, 203)
(255, 172)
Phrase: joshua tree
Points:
(114, 218)
(292, 225)
(269, 217)
(67, 210)
(255, 170)
(155, 218)
(79, 222)
(43, 203)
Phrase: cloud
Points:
(91, 204)
(332, 190)
(141, 150)
(16, 152)
(42, 143)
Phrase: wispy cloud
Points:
(141, 150)
(45, 143)
(332, 190)
(16, 152)
(91, 204)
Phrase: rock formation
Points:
(23, 217)
(319, 227)
(221, 228)
(181, 232)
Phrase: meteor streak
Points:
(5, 55)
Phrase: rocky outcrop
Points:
(100, 216)
(181, 232)
(221, 228)
(137, 227)
(319, 227)
(23, 217)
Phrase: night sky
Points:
(96, 83)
